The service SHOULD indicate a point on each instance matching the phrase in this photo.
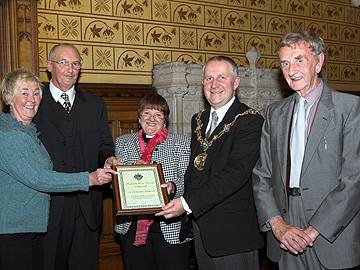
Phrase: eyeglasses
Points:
(156, 116)
(65, 63)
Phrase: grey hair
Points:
(234, 67)
(12, 80)
(52, 53)
(316, 43)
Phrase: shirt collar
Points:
(56, 93)
(314, 94)
(222, 110)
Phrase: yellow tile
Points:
(212, 16)
(334, 51)
(334, 12)
(133, 59)
(316, 9)
(333, 71)
(133, 9)
(237, 42)
(258, 4)
(69, 5)
(47, 25)
(40, 3)
(42, 54)
(236, 19)
(298, 7)
(163, 36)
(187, 13)
(102, 7)
(188, 57)
(258, 22)
(69, 27)
(86, 54)
(351, 53)
(260, 42)
(133, 33)
(100, 30)
(277, 24)
(297, 24)
(349, 72)
(333, 31)
(188, 38)
(161, 10)
(278, 6)
(161, 57)
(319, 28)
(237, 3)
(222, 2)
(213, 40)
(349, 34)
(103, 58)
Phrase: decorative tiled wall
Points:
(121, 40)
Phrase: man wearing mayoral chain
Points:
(218, 192)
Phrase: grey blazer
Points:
(173, 154)
(330, 177)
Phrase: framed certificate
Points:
(137, 189)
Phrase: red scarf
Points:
(144, 221)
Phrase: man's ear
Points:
(320, 63)
(49, 65)
(236, 82)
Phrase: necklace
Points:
(199, 161)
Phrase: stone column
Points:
(181, 85)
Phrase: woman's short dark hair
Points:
(156, 102)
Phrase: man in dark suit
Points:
(218, 192)
(307, 179)
(75, 132)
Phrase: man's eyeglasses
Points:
(65, 63)
(156, 117)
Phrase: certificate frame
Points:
(137, 189)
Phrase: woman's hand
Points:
(112, 161)
(101, 176)
(139, 162)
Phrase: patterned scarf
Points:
(144, 221)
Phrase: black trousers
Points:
(157, 254)
(20, 251)
(71, 245)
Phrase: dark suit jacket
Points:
(329, 181)
(220, 196)
(84, 148)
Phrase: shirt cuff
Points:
(185, 205)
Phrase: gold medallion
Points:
(199, 161)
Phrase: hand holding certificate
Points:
(137, 189)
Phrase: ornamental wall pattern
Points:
(121, 40)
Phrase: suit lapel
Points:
(284, 123)
(320, 123)
(50, 108)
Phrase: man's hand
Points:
(292, 239)
(101, 176)
(173, 209)
(312, 233)
(170, 187)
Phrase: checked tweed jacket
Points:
(173, 154)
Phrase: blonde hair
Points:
(12, 80)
